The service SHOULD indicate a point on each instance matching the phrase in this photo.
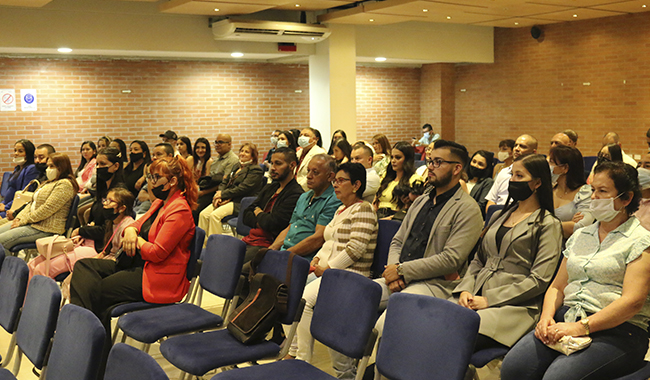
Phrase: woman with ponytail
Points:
(155, 250)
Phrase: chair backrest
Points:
(13, 285)
(72, 216)
(5, 183)
(129, 363)
(275, 264)
(490, 211)
(2, 255)
(385, 231)
(223, 259)
(589, 162)
(77, 346)
(195, 251)
(440, 338)
(345, 311)
(243, 229)
(38, 319)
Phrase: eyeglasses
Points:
(219, 142)
(436, 162)
(340, 181)
(153, 178)
(108, 201)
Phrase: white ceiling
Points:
(499, 13)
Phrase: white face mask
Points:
(274, 140)
(245, 162)
(19, 160)
(282, 144)
(502, 156)
(51, 173)
(603, 209)
(303, 141)
(427, 134)
(554, 176)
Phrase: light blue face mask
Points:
(603, 209)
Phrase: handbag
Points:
(570, 344)
(53, 246)
(23, 197)
(264, 305)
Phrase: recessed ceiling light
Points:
(516, 23)
(380, 59)
(64, 50)
(425, 10)
(448, 17)
(216, 9)
(236, 55)
(297, 5)
(372, 20)
(643, 6)
(575, 15)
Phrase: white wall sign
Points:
(28, 100)
(7, 100)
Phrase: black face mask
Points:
(159, 193)
(103, 174)
(519, 191)
(135, 157)
(41, 167)
(109, 213)
(475, 172)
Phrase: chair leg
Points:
(19, 358)
(182, 376)
(145, 347)
(10, 351)
(114, 337)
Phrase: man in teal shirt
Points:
(314, 210)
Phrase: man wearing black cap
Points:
(169, 137)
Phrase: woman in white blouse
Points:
(350, 240)
(599, 291)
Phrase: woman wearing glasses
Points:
(516, 259)
(350, 240)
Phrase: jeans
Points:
(10, 237)
(613, 353)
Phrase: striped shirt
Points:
(350, 239)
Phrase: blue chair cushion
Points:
(133, 306)
(20, 247)
(284, 369)
(483, 357)
(148, 326)
(199, 353)
(232, 223)
(6, 374)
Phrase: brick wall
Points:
(538, 87)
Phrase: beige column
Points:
(437, 98)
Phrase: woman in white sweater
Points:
(350, 240)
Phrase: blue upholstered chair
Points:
(237, 224)
(195, 251)
(385, 231)
(5, 183)
(490, 211)
(201, 352)
(220, 273)
(128, 363)
(13, 285)
(344, 318)
(37, 322)
(440, 338)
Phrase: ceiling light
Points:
(372, 20)
(297, 5)
(216, 9)
(516, 23)
(64, 50)
(380, 59)
(425, 10)
(236, 55)
(575, 15)
(643, 6)
(448, 17)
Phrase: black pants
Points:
(97, 286)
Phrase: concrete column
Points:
(437, 98)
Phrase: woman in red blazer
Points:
(153, 265)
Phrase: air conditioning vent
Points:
(269, 31)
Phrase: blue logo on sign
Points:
(29, 98)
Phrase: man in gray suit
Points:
(429, 252)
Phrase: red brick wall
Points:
(80, 100)
(537, 87)
(388, 102)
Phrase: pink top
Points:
(86, 174)
(117, 235)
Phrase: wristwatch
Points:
(400, 270)
(585, 324)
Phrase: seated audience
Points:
(382, 147)
(609, 139)
(479, 175)
(560, 139)
(573, 136)
(139, 159)
(505, 155)
(342, 151)
(184, 147)
(350, 240)
(41, 154)
(121, 146)
(162, 151)
(402, 172)
(405, 196)
(428, 136)
(201, 158)
(169, 137)
(245, 180)
(645, 161)
(221, 166)
(609, 152)
(525, 145)
(571, 194)
(286, 139)
(86, 167)
(24, 172)
(103, 142)
(48, 212)
(271, 212)
(422, 170)
(311, 144)
(599, 291)
(516, 259)
(430, 250)
(313, 211)
(117, 210)
(338, 135)
(362, 154)
(274, 146)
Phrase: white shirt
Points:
(499, 191)
(372, 185)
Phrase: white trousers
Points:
(210, 218)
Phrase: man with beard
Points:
(271, 211)
(429, 252)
